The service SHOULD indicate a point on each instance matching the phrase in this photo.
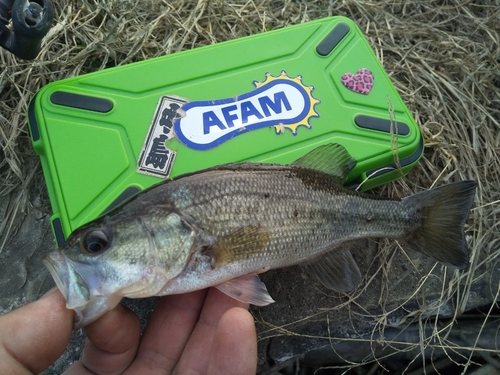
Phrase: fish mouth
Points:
(57, 266)
(67, 278)
(81, 286)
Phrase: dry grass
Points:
(443, 57)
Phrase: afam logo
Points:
(282, 102)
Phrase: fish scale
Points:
(223, 226)
(323, 210)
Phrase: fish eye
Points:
(96, 240)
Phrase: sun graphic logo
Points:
(280, 128)
(282, 102)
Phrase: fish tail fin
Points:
(444, 211)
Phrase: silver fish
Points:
(223, 226)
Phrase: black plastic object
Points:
(31, 21)
(32, 122)
(89, 103)
(391, 167)
(126, 194)
(58, 231)
(330, 42)
(379, 124)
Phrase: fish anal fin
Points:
(248, 289)
(336, 270)
(240, 245)
(332, 159)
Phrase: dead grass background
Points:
(442, 56)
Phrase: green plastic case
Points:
(271, 98)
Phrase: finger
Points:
(34, 336)
(234, 350)
(111, 343)
(196, 355)
(167, 333)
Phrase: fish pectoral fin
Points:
(240, 245)
(336, 270)
(332, 159)
(248, 289)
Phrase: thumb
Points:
(34, 336)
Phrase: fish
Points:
(223, 226)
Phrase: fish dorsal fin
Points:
(248, 289)
(332, 159)
(336, 270)
(240, 245)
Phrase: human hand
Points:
(202, 332)
(34, 336)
